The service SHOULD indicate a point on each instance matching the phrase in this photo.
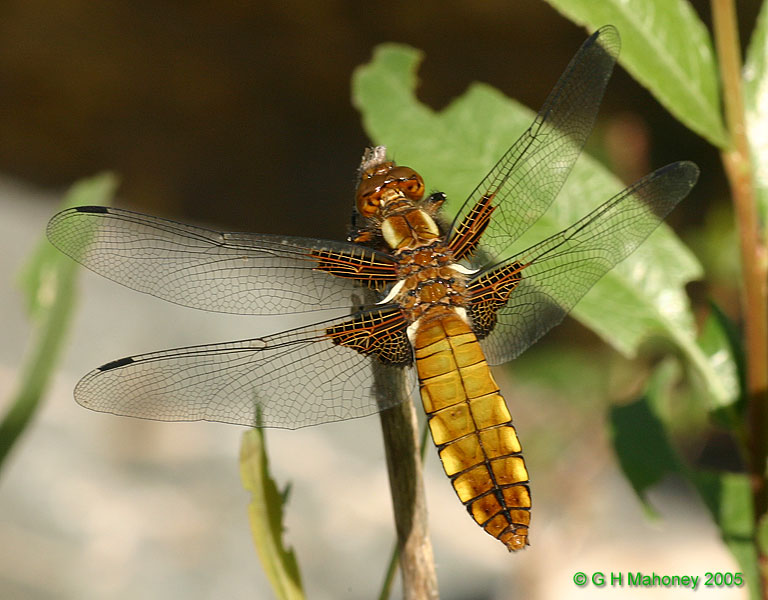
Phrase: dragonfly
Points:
(432, 302)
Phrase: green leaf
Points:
(716, 340)
(729, 500)
(265, 512)
(756, 106)
(48, 283)
(456, 147)
(666, 48)
(640, 440)
(641, 437)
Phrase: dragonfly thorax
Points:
(409, 229)
(429, 283)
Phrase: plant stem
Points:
(401, 444)
(754, 264)
(389, 575)
(50, 327)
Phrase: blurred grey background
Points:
(239, 115)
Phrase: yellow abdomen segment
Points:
(472, 429)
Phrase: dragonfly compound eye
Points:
(409, 182)
(368, 196)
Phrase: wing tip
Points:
(686, 170)
(609, 39)
(51, 229)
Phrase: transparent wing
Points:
(292, 379)
(526, 180)
(556, 273)
(240, 273)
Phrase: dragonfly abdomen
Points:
(472, 428)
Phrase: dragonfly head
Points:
(384, 186)
(391, 197)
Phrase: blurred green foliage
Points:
(48, 284)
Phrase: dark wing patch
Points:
(381, 333)
(363, 266)
(465, 238)
(488, 293)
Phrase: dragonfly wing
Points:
(292, 379)
(239, 273)
(544, 282)
(523, 184)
